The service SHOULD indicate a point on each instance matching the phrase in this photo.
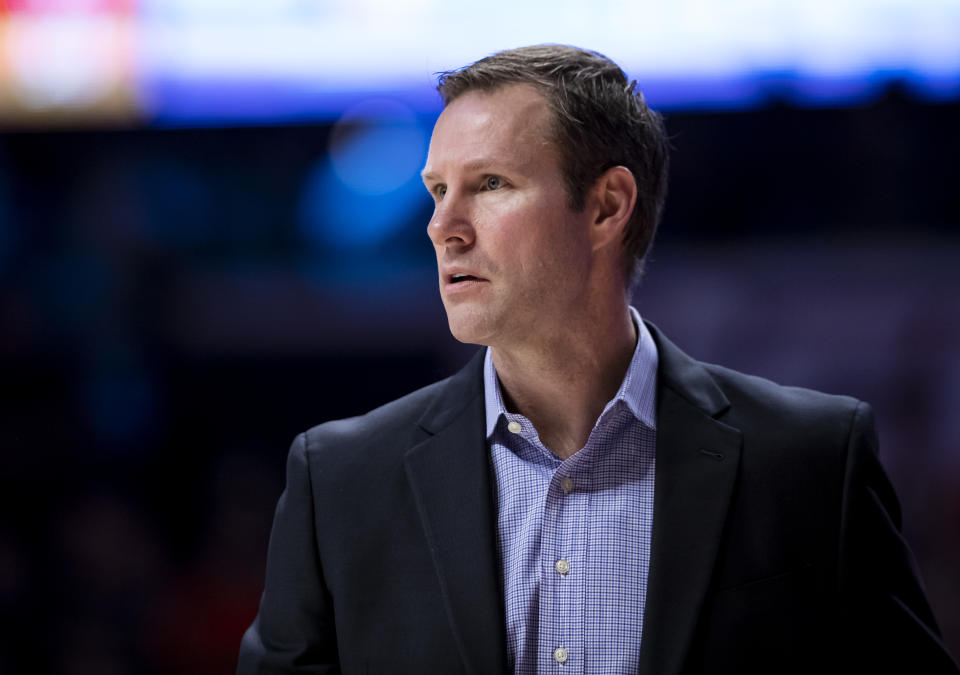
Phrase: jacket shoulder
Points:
(748, 401)
(763, 406)
(388, 422)
(758, 390)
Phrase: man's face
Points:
(512, 257)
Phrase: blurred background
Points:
(212, 236)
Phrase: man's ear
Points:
(613, 195)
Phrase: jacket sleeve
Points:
(294, 630)
(886, 618)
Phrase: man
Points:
(582, 497)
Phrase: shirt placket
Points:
(563, 568)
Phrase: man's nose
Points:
(451, 226)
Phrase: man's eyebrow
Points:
(475, 165)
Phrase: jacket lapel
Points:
(449, 474)
(696, 468)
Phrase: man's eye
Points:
(440, 191)
(493, 183)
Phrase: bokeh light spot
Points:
(367, 185)
(377, 146)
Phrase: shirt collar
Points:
(637, 391)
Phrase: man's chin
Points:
(468, 337)
(469, 328)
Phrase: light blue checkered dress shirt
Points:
(574, 535)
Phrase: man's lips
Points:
(455, 281)
(456, 275)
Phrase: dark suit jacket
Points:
(776, 544)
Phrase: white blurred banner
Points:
(217, 60)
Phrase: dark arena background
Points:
(183, 292)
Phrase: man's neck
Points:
(563, 383)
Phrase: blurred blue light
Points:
(189, 101)
(377, 146)
(215, 103)
(936, 89)
(332, 214)
(364, 189)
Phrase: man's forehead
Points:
(482, 129)
(512, 109)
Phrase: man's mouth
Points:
(457, 278)
(462, 282)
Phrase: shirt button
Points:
(560, 655)
(562, 566)
(514, 427)
(567, 485)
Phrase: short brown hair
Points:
(601, 120)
